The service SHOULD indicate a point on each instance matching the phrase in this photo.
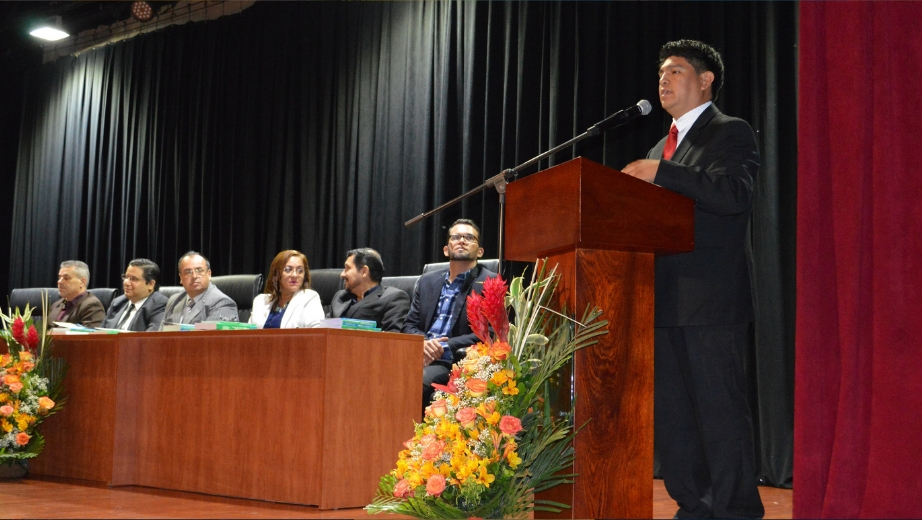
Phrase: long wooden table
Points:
(297, 416)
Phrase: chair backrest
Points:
(241, 288)
(170, 290)
(405, 283)
(33, 296)
(327, 283)
(490, 263)
(105, 295)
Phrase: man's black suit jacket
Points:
(388, 306)
(715, 164)
(147, 318)
(426, 298)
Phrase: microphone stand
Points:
(500, 180)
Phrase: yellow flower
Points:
(499, 378)
(23, 421)
(483, 477)
(461, 469)
(6, 425)
(4, 397)
(511, 389)
(514, 459)
(414, 479)
(427, 470)
(447, 429)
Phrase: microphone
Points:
(642, 108)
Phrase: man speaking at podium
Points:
(703, 310)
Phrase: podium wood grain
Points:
(602, 229)
(297, 416)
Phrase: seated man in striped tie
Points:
(141, 307)
(201, 301)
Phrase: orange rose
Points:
(45, 404)
(427, 439)
(467, 417)
(6, 410)
(15, 387)
(438, 408)
(476, 387)
(10, 379)
(402, 489)
(435, 485)
(22, 438)
(500, 351)
(433, 450)
(510, 425)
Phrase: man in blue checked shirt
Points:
(439, 307)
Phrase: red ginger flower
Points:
(452, 386)
(494, 306)
(476, 318)
(18, 330)
(32, 338)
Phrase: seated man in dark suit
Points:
(76, 305)
(201, 301)
(364, 298)
(439, 307)
(141, 307)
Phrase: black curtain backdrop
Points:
(323, 126)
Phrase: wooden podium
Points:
(310, 417)
(602, 229)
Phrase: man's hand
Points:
(644, 169)
(432, 350)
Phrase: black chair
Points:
(490, 263)
(327, 283)
(170, 290)
(33, 296)
(241, 288)
(105, 295)
(405, 283)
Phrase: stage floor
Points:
(41, 497)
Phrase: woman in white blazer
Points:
(286, 302)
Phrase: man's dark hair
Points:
(190, 254)
(701, 56)
(469, 222)
(371, 258)
(150, 268)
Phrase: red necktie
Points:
(671, 142)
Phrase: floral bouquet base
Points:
(489, 442)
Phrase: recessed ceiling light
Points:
(51, 31)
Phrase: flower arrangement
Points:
(30, 386)
(489, 442)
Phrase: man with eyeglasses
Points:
(201, 300)
(364, 298)
(141, 307)
(439, 307)
(77, 305)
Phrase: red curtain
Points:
(858, 389)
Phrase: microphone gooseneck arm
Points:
(500, 180)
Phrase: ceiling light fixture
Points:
(51, 31)
(141, 11)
